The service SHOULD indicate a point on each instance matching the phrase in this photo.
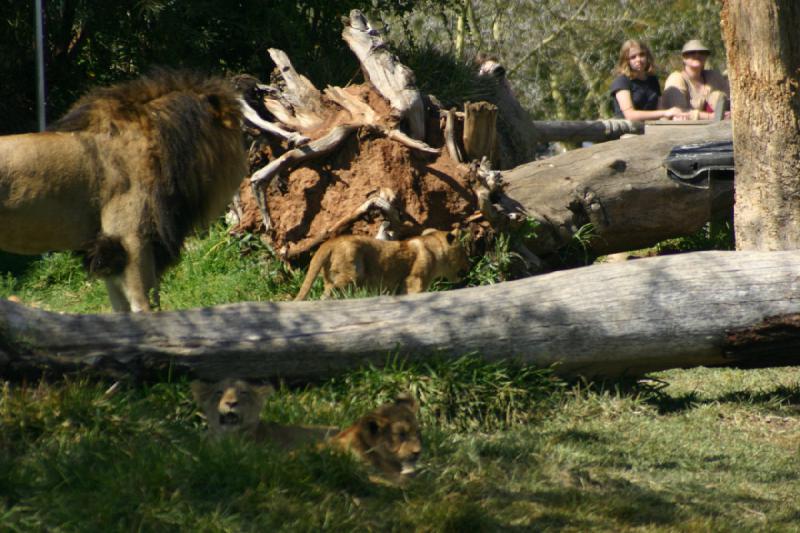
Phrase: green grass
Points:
(215, 268)
(506, 447)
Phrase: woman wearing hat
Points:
(703, 93)
(635, 92)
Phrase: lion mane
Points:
(124, 177)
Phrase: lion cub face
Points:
(388, 438)
(231, 406)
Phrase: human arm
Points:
(626, 106)
(676, 93)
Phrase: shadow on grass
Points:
(607, 503)
(658, 397)
(781, 395)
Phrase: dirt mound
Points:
(426, 190)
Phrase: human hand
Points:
(673, 113)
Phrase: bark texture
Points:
(763, 46)
(621, 188)
(603, 320)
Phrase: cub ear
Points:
(452, 236)
(201, 390)
(372, 425)
(407, 400)
(264, 390)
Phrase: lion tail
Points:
(314, 267)
(105, 256)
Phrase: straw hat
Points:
(695, 45)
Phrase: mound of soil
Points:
(431, 191)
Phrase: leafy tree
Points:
(559, 54)
(90, 42)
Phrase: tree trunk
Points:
(603, 320)
(763, 47)
(480, 119)
(619, 187)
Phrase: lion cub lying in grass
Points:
(387, 438)
(408, 266)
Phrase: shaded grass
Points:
(555, 457)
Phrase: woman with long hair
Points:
(635, 92)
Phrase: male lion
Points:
(387, 438)
(124, 177)
(408, 266)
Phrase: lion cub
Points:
(408, 266)
(387, 438)
(232, 407)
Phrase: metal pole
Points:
(40, 109)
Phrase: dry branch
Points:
(305, 110)
(252, 116)
(391, 78)
(603, 320)
(451, 137)
(381, 201)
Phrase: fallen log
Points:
(622, 189)
(521, 139)
(608, 320)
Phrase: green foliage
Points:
(559, 60)
(55, 280)
(496, 264)
(500, 262)
(712, 236)
(466, 394)
(94, 43)
(560, 56)
(219, 268)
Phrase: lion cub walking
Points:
(388, 438)
(408, 266)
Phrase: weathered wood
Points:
(480, 130)
(603, 320)
(252, 116)
(520, 138)
(361, 113)
(450, 137)
(762, 342)
(620, 187)
(391, 78)
(578, 131)
(763, 53)
(305, 111)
